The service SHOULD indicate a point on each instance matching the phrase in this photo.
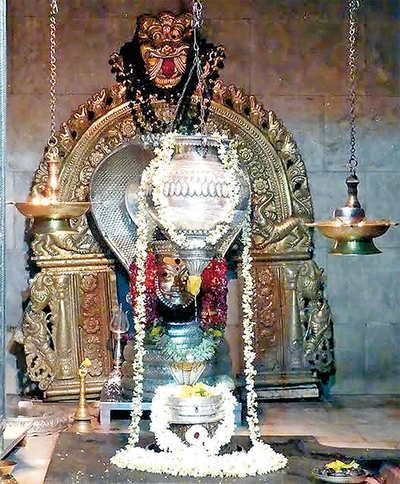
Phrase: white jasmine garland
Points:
(182, 459)
(194, 462)
(248, 332)
(140, 318)
(161, 418)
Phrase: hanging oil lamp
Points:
(351, 231)
(48, 213)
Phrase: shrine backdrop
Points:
(291, 55)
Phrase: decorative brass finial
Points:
(82, 412)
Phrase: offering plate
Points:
(340, 479)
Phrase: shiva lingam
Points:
(198, 192)
(176, 320)
(50, 215)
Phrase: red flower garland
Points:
(214, 289)
(150, 283)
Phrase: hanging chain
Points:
(53, 70)
(197, 22)
(352, 66)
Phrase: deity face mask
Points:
(172, 276)
(164, 45)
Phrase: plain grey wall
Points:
(291, 54)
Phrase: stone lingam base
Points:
(105, 409)
(85, 458)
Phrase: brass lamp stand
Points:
(82, 412)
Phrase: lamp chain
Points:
(53, 70)
(353, 32)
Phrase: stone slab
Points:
(10, 438)
(84, 458)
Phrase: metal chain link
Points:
(352, 66)
(53, 70)
(197, 22)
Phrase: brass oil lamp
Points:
(351, 231)
(48, 213)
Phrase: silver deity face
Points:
(172, 276)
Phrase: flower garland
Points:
(230, 161)
(248, 332)
(150, 287)
(214, 287)
(193, 461)
(140, 313)
(161, 417)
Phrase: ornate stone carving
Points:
(267, 313)
(316, 318)
(39, 330)
(90, 323)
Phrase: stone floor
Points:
(346, 423)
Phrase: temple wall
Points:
(291, 54)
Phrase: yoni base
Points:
(105, 409)
(294, 392)
(299, 385)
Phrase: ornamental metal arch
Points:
(77, 281)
